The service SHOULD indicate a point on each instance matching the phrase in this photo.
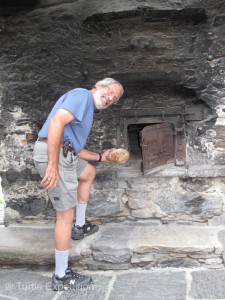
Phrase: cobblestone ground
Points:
(160, 284)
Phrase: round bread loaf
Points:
(118, 155)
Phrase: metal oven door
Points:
(157, 143)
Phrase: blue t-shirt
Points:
(80, 103)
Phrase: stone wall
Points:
(165, 54)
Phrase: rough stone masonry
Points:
(166, 54)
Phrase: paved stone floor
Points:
(157, 284)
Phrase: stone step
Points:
(118, 246)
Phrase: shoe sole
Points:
(82, 236)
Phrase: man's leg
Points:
(86, 179)
(64, 278)
(81, 227)
(64, 220)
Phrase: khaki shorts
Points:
(64, 195)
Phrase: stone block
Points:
(175, 262)
(219, 20)
(170, 171)
(208, 170)
(14, 241)
(122, 184)
(121, 219)
(144, 213)
(212, 261)
(30, 206)
(168, 238)
(208, 284)
(112, 256)
(147, 240)
(86, 252)
(142, 258)
(19, 284)
(201, 256)
(198, 184)
(108, 219)
(128, 173)
(136, 203)
(195, 205)
(143, 184)
(20, 177)
(101, 265)
(155, 285)
(217, 221)
(152, 210)
(40, 238)
(27, 284)
(108, 184)
(105, 204)
(221, 236)
(182, 206)
(103, 175)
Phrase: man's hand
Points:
(51, 178)
(104, 156)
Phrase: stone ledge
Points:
(117, 246)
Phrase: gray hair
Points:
(108, 81)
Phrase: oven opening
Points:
(153, 143)
(134, 140)
(156, 137)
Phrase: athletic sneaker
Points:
(87, 229)
(71, 280)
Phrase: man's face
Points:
(106, 96)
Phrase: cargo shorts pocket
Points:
(40, 167)
(55, 195)
(70, 181)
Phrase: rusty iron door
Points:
(157, 143)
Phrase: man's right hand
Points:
(51, 178)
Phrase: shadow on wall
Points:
(9, 7)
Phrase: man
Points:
(61, 160)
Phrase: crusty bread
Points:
(118, 155)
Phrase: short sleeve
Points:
(76, 101)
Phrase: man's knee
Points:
(88, 174)
(65, 216)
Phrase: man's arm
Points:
(89, 155)
(55, 131)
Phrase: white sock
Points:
(80, 214)
(61, 262)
